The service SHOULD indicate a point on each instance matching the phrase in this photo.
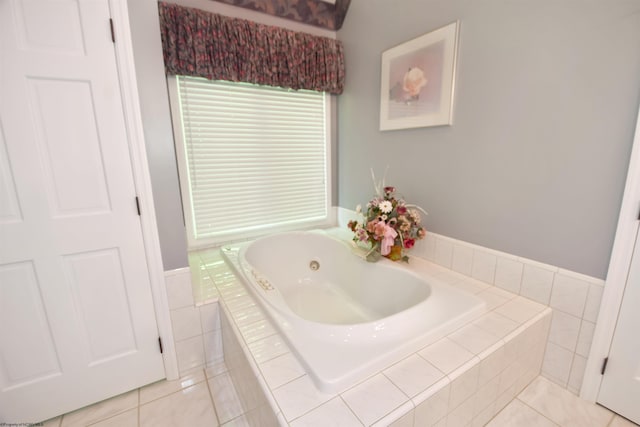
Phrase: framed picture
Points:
(417, 81)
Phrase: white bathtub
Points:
(345, 318)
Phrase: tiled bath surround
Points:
(253, 404)
(464, 379)
(574, 298)
(198, 321)
(196, 325)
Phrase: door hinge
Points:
(604, 365)
(160, 345)
(113, 33)
(138, 205)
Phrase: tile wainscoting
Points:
(208, 305)
(573, 297)
(196, 324)
(462, 379)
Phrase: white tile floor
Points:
(203, 397)
(544, 403)
(206, 397)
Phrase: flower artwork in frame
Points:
(417, 81)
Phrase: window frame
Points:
(183, 177)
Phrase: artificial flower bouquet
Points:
(389, 226)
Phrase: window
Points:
(252, 159)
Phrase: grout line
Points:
(288, 382)
(351, 410)
(246, 324)
(140, 404)
(213, 405)
(535, 410)
(413, 408)
(409, 398)
(234, 419)
(611, 422)
(310, 410)
(111, 416)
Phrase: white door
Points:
(620, 388)
(77, 322)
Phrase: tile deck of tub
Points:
(463, 379)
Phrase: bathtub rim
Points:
(331, 382)
(246, 271)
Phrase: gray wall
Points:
(156, 118)
(547, 95)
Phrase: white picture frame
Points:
(418, 79)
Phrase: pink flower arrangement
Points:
(389, 225)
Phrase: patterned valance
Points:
(204, 44)
(312, 12)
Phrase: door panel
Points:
(99, 293)
(29, 356)
(69, 146)
(620, 388)
(9, 208)
(77, 323)
(38, 26)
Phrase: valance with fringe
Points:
(204, 44)
(319, 13)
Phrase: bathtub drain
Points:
(314, 265)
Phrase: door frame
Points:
(142, 180)
(619, 265)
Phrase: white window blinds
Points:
(256, 158)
